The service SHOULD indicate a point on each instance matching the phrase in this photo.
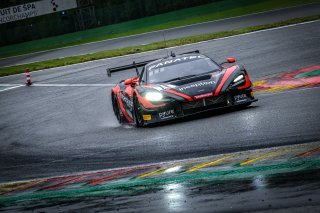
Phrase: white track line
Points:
(10, 85)
(14, 87)
(60, 85)
(73, 85)
(169, 48)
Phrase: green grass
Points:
(143, 48)
(209, 12)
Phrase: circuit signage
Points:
(33, 9)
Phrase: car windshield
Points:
(175, 71)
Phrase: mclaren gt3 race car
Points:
(178, 86)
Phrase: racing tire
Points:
(116, 109)
(137, 115)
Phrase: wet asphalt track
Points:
(48, 131)
(281, 179)
(197, 29)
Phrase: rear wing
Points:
(140, 64)
(128, 67)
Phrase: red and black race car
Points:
(178, 86)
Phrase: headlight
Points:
(240, 77)
(153, 96)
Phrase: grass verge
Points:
(209, 12)
(143, 48)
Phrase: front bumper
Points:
(178, 109)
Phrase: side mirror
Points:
(132, 81)
(128, 81)
(231, 60)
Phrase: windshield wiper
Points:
(180, 78)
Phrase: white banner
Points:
(33, 9)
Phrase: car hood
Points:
(192, 86)
(198, 87)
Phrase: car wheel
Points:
(138, 119)
(116, 109)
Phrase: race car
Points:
(177, 86)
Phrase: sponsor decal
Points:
(126, 100)
(166, 114)
(172, 61)
(195, 85)
(207, 95)
(240, 98)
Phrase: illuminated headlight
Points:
(239, 78)
(153, 96)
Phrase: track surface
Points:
(53, 130)
(282, 179)
(197, 29)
